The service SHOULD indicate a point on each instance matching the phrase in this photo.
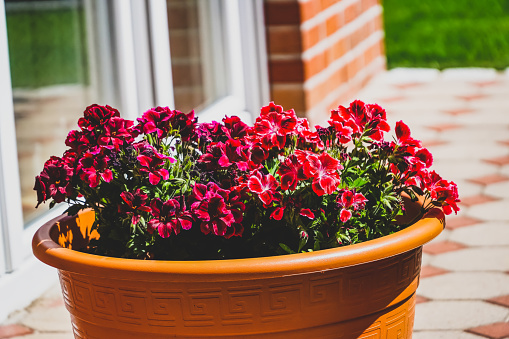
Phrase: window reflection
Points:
(197, 53)
(51, 64)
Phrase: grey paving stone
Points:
(492, 211)
(407, 75)
(499, 189)
(473, 149)
(471, 74)
(477, 133)
(47, 335)
(456, 315)
(444, 335)
(484, 234)
(462, 168)
(474, 259)
(54, 319)
(464, 286)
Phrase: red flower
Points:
(234, 128)
(443, 191)
(291, 172)
(133, 204)
(272, 126)
(169, 217)
(345, 215)
(306, 212)
(264, 185)
(323, 169)
(361, 117)
(185, 124)
(403, 135)
(96, 116)
(278, 213)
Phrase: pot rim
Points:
(51, 253)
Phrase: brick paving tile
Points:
(444, 127)
(14, 330)
(431, 143)
(492, 331)
(460, 221)
(476, 200)
(408, 85)
(391, 99)
(420, 299)
(502, 300)
(459, 111)
(501, 161)
(486, 83)
(472, 97)
(442, 247)
(430, 271)
(489, 179)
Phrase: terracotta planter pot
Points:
(360, 291)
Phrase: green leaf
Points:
(359, 182)
(286, 248)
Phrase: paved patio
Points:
(462, 116)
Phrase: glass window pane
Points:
(54, 77)
(197, 53)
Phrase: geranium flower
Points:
(97, 116)
(155, 120)
(54, 181)
(93, 166)
(213, 207)
(403, 135)
(234, 128)
(272, 126)
(264, 185)
(291, 172)
(152, 163)
(184, 123)
(323, 169)
(361, 117)
(443, 191)
(169, 217)
(133, 204)
(116, 131)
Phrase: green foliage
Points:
(447, 33)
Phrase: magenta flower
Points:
(133, 204)
(96, 116)
(54, 181)
(169, 218)
(152, 162)
(217, 209)
(116, 132)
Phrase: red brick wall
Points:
(321, 52)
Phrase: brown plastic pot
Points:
(365, 290)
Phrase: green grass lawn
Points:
(447, 33)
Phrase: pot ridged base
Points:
(373, 300)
